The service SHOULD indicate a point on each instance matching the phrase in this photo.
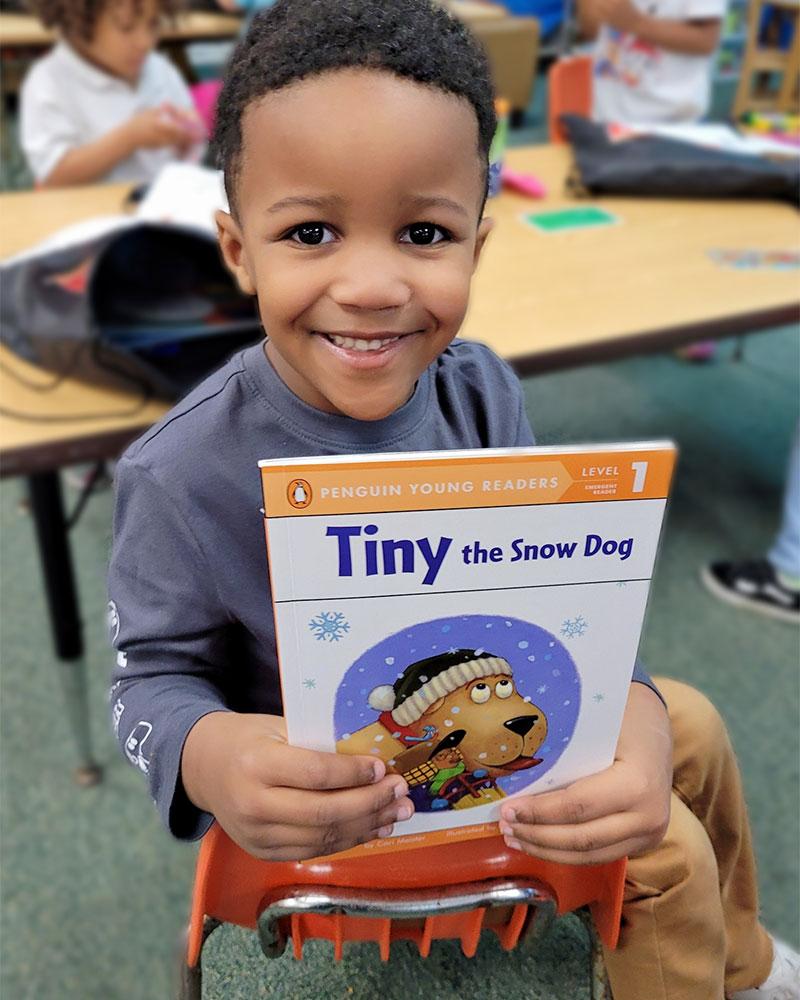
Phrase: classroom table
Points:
(45, 424)
(647, 283)
(541, 300)
(26, 31)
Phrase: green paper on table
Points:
(570, 218)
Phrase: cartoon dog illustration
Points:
(464, 700)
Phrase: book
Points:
(470, 617)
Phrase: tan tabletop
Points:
(546, 300)
(25, 30)
(104, 419)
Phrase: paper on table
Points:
(721, 137)
(79, 232)
(186, 195)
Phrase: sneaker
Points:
(753, 585)
(783, 981)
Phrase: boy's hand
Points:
(162, 126)
(619, 14)
(622, 811)
(282, 803)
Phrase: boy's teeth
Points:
(361, 345)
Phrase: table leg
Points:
(62, 600)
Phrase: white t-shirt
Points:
(67, 102)
(637, 83)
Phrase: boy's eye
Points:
(311, 234)
(424, 234)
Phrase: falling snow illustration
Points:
(573, 627)
(309, 683)
(329, 626)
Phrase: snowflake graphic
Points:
(572, 627)
(309, 683)
(329, 626)
(598, 697)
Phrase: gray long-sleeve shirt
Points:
(189, 600)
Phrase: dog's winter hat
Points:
(424, 682)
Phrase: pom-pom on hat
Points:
(424, 682)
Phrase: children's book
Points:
(470, 617)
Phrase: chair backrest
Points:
(569, 91)
(231, 886)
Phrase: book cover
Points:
(470, 617)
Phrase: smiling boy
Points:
(354, 136)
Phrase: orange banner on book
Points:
(444, 483)
(451, 835)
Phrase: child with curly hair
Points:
(102, 105)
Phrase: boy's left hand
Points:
(621, 811)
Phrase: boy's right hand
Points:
(154, 128)
(283, 803)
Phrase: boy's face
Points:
(123, 37)
(358, 229)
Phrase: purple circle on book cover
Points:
(544, 675)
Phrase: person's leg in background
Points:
(690, 917)
(785, 552)
(771, 585)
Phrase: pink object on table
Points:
(205, 96)
(523, 183)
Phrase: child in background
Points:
(354, 136)
(102, 105)
(652, 58)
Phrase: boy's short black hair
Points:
(295, 39)
(78, 18)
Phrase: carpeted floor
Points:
(94, 891)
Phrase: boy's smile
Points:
(357, 226)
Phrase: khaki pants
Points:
(690, 927)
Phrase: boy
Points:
(102, 105)
(354, 137)
(652, 58)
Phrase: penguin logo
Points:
(299, 493)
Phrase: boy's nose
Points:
(370, 281)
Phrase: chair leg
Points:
(190, 977)
(600, 986)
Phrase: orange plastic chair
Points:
(479, 884)
(569, 91)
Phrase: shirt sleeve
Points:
(168, 628)
(47, 130)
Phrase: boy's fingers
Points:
(370, 805)
(294, 767)
(280, 841)
(585, 800)
(598, 857)
(587, 838)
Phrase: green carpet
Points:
(94, 891)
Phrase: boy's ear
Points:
(485, 226)
(231, 243)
